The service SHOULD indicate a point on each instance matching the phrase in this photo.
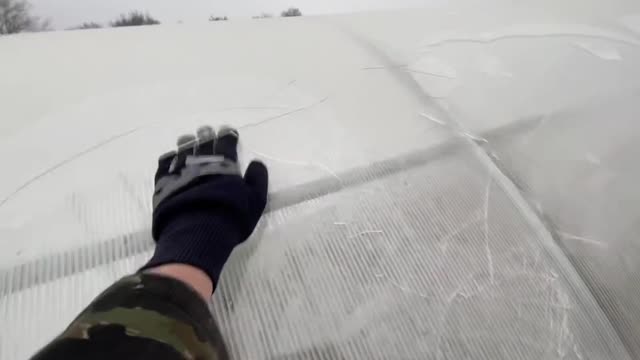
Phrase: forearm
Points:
(142, 316)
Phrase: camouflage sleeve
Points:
(142, 316)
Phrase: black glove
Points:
(202, 206)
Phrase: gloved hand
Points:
(202, 206)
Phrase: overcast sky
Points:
(67, 13)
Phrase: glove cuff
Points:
(202, 239)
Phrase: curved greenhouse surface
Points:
(446, 182)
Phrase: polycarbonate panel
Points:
(409, 259)
(445, 183)
(580, 171)
(434, 261)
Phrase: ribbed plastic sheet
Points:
(446, 183)
(581, 175)
(432, 262)
(435, 260)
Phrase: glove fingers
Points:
(164, 163)
(206, 140)
(186, 141)
(227, 144)
(186, 146)
(257, 178)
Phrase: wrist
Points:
(200, 239)
(193, 277)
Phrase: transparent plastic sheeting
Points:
(447, 184)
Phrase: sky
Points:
(67, 13)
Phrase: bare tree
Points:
(291, 12)
(134, 18)
(86, 26)
(15, 17)
(263, 16)
(218, 18)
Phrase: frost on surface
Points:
(447, 184)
